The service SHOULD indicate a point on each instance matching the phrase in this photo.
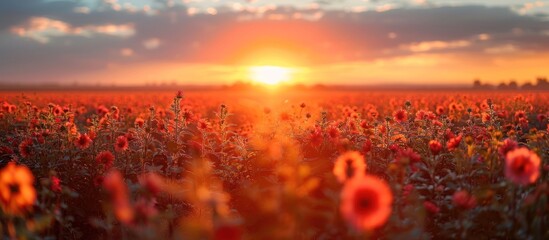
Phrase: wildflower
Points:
(407, 190)
(440, 110)
(454, 142)
(333, 132)
(25, 148)
(114, 183)
(17, 193)
(486, 117)
(57, 111)
(464, 200)
(435, 147)
(519, 115)
(106, 158)
(367, 146)
(407, 155)
(431, 207)
(5, 150)
(469, 140)
(448, 134)
(55, 184)
(394, 148)
(349, 165)
(522, 166)
(400, 116)
(139, 122)
(152, 182)
(145, 209)
(121, 144)
(284, 116)
(507, 146)
(179, 94)
(373, 113)
(216, 199)
(83, 141)
(202, 125)
(437, 123)
(420, 115)
(92, 134)
(316, 138)
(366, 202)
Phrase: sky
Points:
(343, 42)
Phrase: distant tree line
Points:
(541, 84)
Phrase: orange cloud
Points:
(42, 29)
(435, 45)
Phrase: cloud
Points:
(529, 6)
(126, 52)
(152, 43)
(507, 48)
(435, 45)
(42, 29)
(83, 10)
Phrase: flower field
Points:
(272, 165)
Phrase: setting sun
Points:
(270, 75)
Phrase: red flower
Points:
(435, 147)
(408, 155)
(400, 116)
(464, 200)
(139, 122)
(202, 124)
(519, 115)
(316, 138)
(83, 141)
(17, 193)
(367, 146)
(55, 184)
(25, 148)
(121, 144)
(522, 166)
(349, 165)
(508, 145)
(285, 116)
(145, 209)
(5, 150)
(366, 202)
(114, 183)
(431, 207)
(106, 158)
(453, 143)
(486, 117)
(152, 182)
(333, 132)
(407, 189)
(440, 110)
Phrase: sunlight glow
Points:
(270, 75)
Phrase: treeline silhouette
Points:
(541, 84)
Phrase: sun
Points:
(270, 75)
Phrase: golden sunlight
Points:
(270, 75)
